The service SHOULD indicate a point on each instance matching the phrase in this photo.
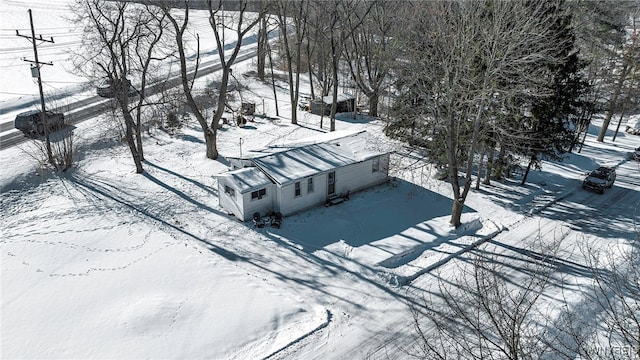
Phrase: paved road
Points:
(89, 108)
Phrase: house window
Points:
(375, 165)
(310, 185)
(229, 191)
(258, 194)
(297, 189)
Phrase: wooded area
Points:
(476, 88)
(479, 87)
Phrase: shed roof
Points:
(340, 98)
(246, 179)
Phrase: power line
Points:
(35, 70)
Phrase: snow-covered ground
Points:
(100, 262)
(50, 21)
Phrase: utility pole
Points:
(35, 72)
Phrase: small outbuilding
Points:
(302, 177)
(345, 103)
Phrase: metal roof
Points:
(306, 158)
(294, 164)
(247, 179)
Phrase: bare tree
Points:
(617, 284)
(295, 12)
(263, 39)
(629, 54)
(120, 43)
(242, 22)
(318, 48)
(463, 57)
(369, 51)
(488, 310)
(600, 30)
(333, 26)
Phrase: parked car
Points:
(31, 124)
(107, 88)
(599, 179)
(636, 154)
(633, 126)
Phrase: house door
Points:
(331, 183)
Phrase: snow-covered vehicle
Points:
(32, 124)
(633, 126)
(599, 179)
(107, 88)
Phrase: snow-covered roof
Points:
(358, 140)
(297, 163)
(360, 146)
(340, 98)
(246, 179)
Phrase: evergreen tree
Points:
(470, 68)
(554, 118)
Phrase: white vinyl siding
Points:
(359, 176)
(310, 185)
(287, 203)
(295, 180)
(350, 178)
(262, 205)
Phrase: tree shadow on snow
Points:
(104, 191)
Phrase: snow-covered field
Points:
(100, 262)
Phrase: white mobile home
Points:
(244, 192)
(298, 178)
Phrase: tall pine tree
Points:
(553, 118)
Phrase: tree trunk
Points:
(296, 90)
(526, 173)
(456, 212)
(499, 164)
(624, 104)
(487, 176)
(263, 37)
(273, 80)
(212, 134)
(452, 162)
(334, 104)
(310, 68)
(289, 60)
(334, 74)
(479, 176)
(615, 134)
(131, 141)
(210, 142)
(586, 131)
(138, 136)
(373, 104)
(612, 103)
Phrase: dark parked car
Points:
(599, 179)
(107, 88)
(636, 155)
(31, 124)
